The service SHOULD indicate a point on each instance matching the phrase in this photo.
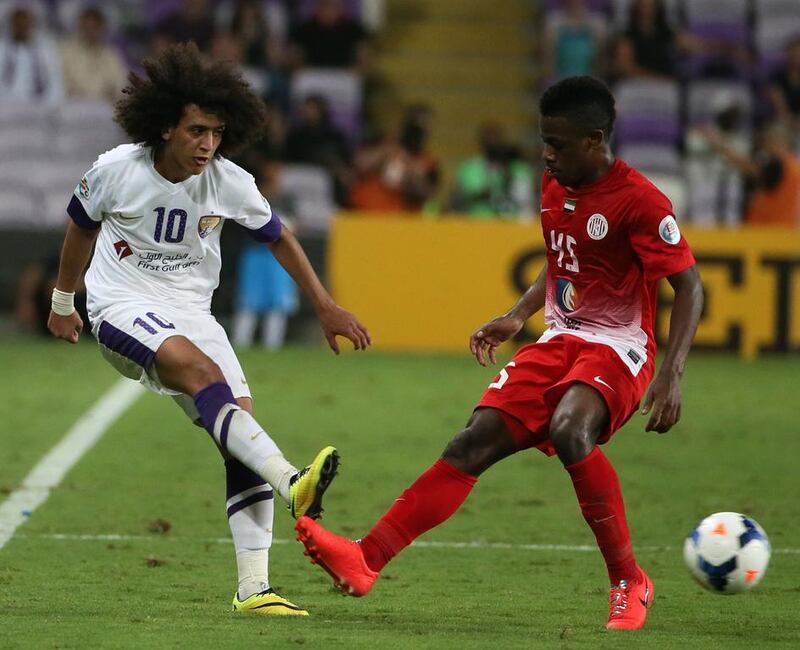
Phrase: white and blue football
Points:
(727, 553)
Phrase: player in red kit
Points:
(610, 236)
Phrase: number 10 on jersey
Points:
(172, 233)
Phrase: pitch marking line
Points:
(50, 470)
(492, 546)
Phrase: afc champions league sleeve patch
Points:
(668, 230)
(207, 224)
(83, 188)
(597, 226)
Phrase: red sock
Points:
(431, 500)
(600, 498)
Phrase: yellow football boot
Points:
(267, 603)
(309, 484)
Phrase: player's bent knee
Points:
(474, 450)
(572, 437)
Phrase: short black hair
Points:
(180, 76)
(585, 101)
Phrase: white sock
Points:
(280, 472)
(250, 507)
(253, 572)
(242, 437)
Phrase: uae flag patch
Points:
(569, 205)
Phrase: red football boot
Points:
(342, 558)
(629, 602)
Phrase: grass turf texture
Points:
(390, 416)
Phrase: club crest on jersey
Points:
(668, 230)
(207, 224)
(597, 226)
(83, 188)
(566, 296)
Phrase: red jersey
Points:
(608, 243)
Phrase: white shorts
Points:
(130, 333)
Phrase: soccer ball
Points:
(727, 553)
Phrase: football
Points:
(727, 553)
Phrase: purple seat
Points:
(648, 96)
(701, 12)
(655, 129)
(714, 65)
(648, 111)
(597, 6)
(341, 88)
(306, 8)
(652, 158)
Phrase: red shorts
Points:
(530, 387)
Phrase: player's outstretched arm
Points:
(335, 320)
(75, 254)
(663, 400)
(484, 341)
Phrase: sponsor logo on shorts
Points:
(207, 224)
(600, 380)
(668, 230)
(597, 226)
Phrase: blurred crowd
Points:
(708, 92)
(708, 97)
(708, 107)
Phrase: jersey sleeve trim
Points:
(269, 232)
(78, 214)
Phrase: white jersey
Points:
(159, 239)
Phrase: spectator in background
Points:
(92, 69)
(314, 140)
(264, 291)
(496, 182)
(192, 21)
(397, 174)
(716, 186)
(648, 46)
(773, 173)
(225, 46)
(30, 69)
(330, 39)
(575, 41)
(784, 90)
(261, 49)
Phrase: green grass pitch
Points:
(64, 585)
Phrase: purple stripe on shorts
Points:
(78, 214)
(124, 344)
(239, 478)
(249, 501)
(270, 231)
(223, 434)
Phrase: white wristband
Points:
(63, 302)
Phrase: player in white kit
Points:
(154, 212)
